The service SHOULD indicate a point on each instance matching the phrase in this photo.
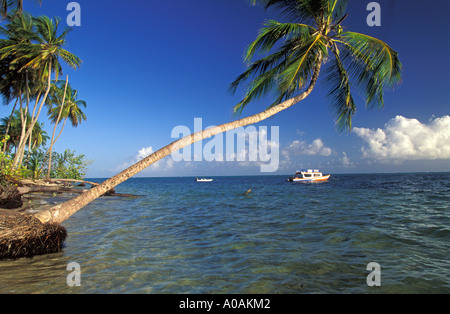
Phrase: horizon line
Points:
(273, 175)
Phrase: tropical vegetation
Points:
(31, 51)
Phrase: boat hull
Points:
(320, 179)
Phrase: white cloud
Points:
(165, 163)
(345, 161)
(317, 147)
(144, 152)
(408, 139)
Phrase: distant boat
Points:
(309, 175)
(203, 180)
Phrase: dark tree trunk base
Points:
(23, 235)
(10, 197)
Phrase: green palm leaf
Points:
(71, 109)
(335, 10)
(272, 32)
(338, 81)
(285, 71)
(373, 64)
(298, 10)
(301, 64)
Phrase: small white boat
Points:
(309, 175)
(203, 180)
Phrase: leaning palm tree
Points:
(314, 38)
(68, 107)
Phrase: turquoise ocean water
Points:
(181, 236)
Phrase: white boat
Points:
(309, 175)
(203, 180)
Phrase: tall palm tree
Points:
(71, 110)
(314, 38)
(42, 56)
(15, 84)
(68, 107)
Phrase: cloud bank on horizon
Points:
(407, 139)
(401, 139)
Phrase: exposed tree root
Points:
(23, 235)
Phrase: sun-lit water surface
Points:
(182, 236)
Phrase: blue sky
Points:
(150, 66)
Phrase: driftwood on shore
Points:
(11, 196)
(75, 181)
(111, 192)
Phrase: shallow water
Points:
(182, 236)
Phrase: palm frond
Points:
(335, 10)
(262, 65)
(374, 65)
(259, 87)
(71, 109)
(301, 64)
(298, 10)
(72, 60)
(274, 31)
(283, 73)
(342, 102)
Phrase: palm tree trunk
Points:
(22, 139)
(20, 148)
(61, 212)
(34, 119)
(54, 130)
(48, 150)
(23, 131)
(30, 149)
(9, 123)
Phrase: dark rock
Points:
(10, 198)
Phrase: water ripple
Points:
(182, 237)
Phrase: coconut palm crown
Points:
(71, 109)
(42, 50)
(291, 51)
